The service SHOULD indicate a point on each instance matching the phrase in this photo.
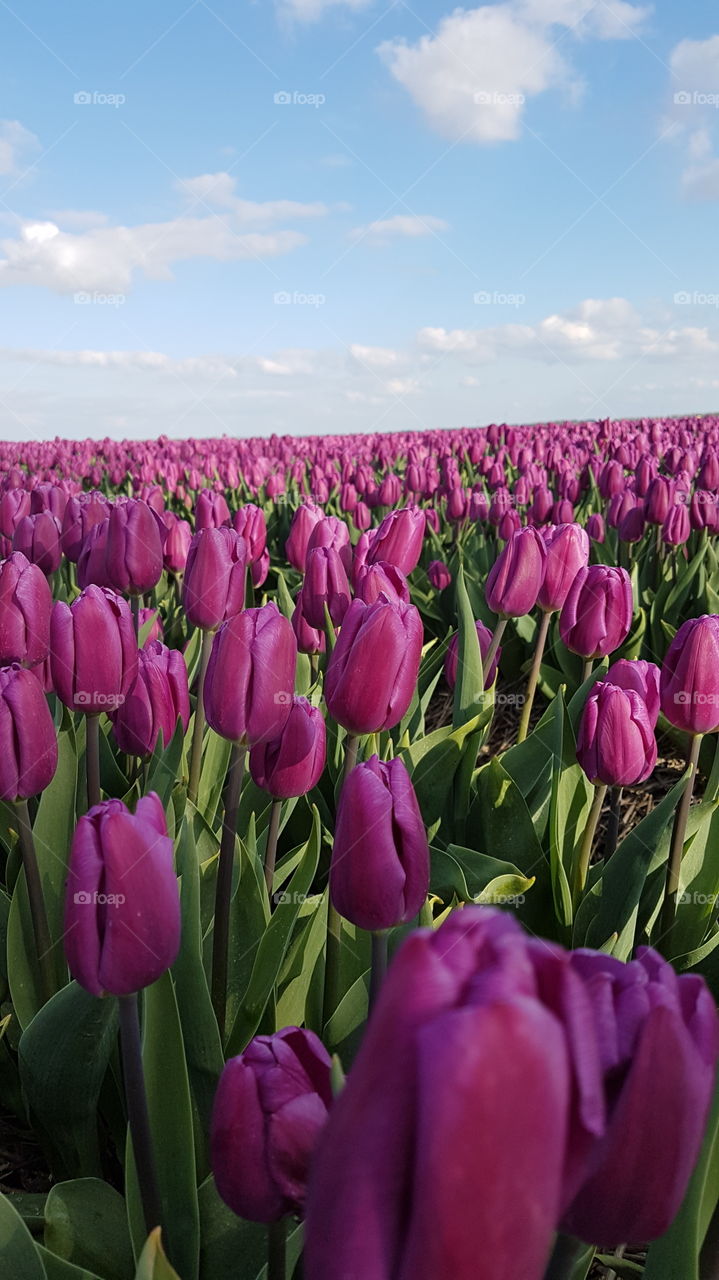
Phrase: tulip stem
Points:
(334, 925)
(38, 912)
(615, 805)
(581, 866)
(271, 846)
(223, 891)
(565, 1255)
(277, 1250)
(199, 726)
(534, 675)
(494, 645)
(92, 760)
(135, 607)
(674, 863)
(137, 1112)
(587, 669)
(379, 966)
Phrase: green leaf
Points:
(170, 1109)
(469, 686)
(86, 1224)
(531, 764)
(21, 1260)
(60, 1269)
(232, 1246)
(165, 765)
(63, 1057)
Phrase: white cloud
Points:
(692, 120)
(472, 79)
(68, 255)
(17, 144)
(375, 357)
(403, 226)
(311, 10)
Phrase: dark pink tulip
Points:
(709, 474)
(372, 672)
(595, 527)
(25, 607)
(251, 676)
(567, 552)
(615, 743)
(620, 504)
(478, 508)
(133, 552)
(658, 500)
(689, 682)
(303, 522)
(260, 568)
(642, 677)
(703, 511)
(293, 763)
(93, 651)
(331, 532)
(484, 635)
(177, 542)
(81, 513)
(390, 491)
(325, 585)
(598, 611)
(157, 699)
(431, 519)
(309, 639)
(676, 527)
(379, 873)
(515, 578)
(399, 539)
(382, 579)
(439, 575)
(362, 516)
(250, 522)
(511, 521)
(38, 539)
(14, 505)
(211, 510)
(632, 524)
(28, 745)
(542, 504)
(92, 560)
(122, 906)
(214, 585)
(658, 1043)
(270, 1108)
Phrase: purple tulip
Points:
(133, 553)
(14, 506)
(292, 763)
(214, 584)
(689, 682)
(81, 513)
(657, 1038)
(439, 575)
(28, 759)
(615, 744)
(332, 533)
(325, 584)
(92, 561)
(597, 614)
(122, 908)
(484, 635)
(249, 521)
(177, 542)
(379, 874)
(303, 522)
(642, 677)
(677, 526)
(309, 639)
(399, 539)
(251, 676)
(157, 699)
(595, 527)
(515, 578)
(260, 568)
(632, 524)
(567, 552)
(659, 498)
(380, 579)
(25, 607)
(270, 1108)
(211, 511)
(372, 672)
(38, 539)
(93, 651)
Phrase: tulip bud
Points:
(615, 743)
(484, 635)
(642, 677)
(260, 568)
(122, 909)
(598, 611)
(81, 513)
(379, 873)
(28, 759)
(211, 511)
(439, 575)
(92, 560)
(567, 552)
(659, 498)
(38, 539)
(249, 521)
(270, 1107)
(378, 579)
(292, 763)
(214, 584)
(251, 676)
(595, 527)
(515, 578)
(632, 524)
(399, 539)
(133, 553)
(325, 584)
(372, 672)
(158, 698)
(93, 651)
(676, 527)
(689, 682)
(309, 639)
(303, 522)
(25, 607)
(177, 542)
(14, 505)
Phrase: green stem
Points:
(277, 1250)
(199, 726)
(92, 759)
(581, 866)
(615, 804)
(379, 966)
(492, 650)
(38, 912)
(137, 1112)
(671, 890)
(271, 847)
(223, 890)
(534, 676)
(334, 926)
(587, 669)
(565, 1256)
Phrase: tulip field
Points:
(359, 856)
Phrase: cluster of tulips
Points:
(331, 944)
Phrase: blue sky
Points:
(347, 215)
